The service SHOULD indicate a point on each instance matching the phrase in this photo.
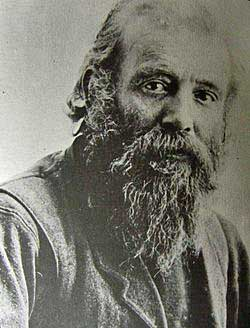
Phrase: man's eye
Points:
(205, 97)
(154, 88)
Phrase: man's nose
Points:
(174, 126)
(176, 119)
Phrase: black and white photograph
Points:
(125, 164)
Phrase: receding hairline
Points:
(172, 14)
(109, 47)
(167, 13)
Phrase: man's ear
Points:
(78, 101)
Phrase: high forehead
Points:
(151, 36)
(165, 13)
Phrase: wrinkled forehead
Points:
(164, 14)
(177, 34)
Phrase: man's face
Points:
(175, 78)
(171, 91)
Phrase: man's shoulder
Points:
(42, 203)
(228, 227)
(46, 193)
(55, 169)
(22, 198)
(220, 226)
(43, 168)
(215, 221)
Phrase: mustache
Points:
(156, 146)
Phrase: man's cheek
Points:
(132, 117)
(210, 126)
(217, 131)
(140, 109)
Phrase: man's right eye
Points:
(155, 88)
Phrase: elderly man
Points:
(114, 232)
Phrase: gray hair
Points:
(103, 56)
(106, 54)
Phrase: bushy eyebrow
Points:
(164, 70)
(146, 72)
(209, 85)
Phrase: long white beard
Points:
(157, 213)
(161, 196)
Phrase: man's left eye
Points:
(154, 88)
(205, 97)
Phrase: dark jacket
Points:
(60, 268)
